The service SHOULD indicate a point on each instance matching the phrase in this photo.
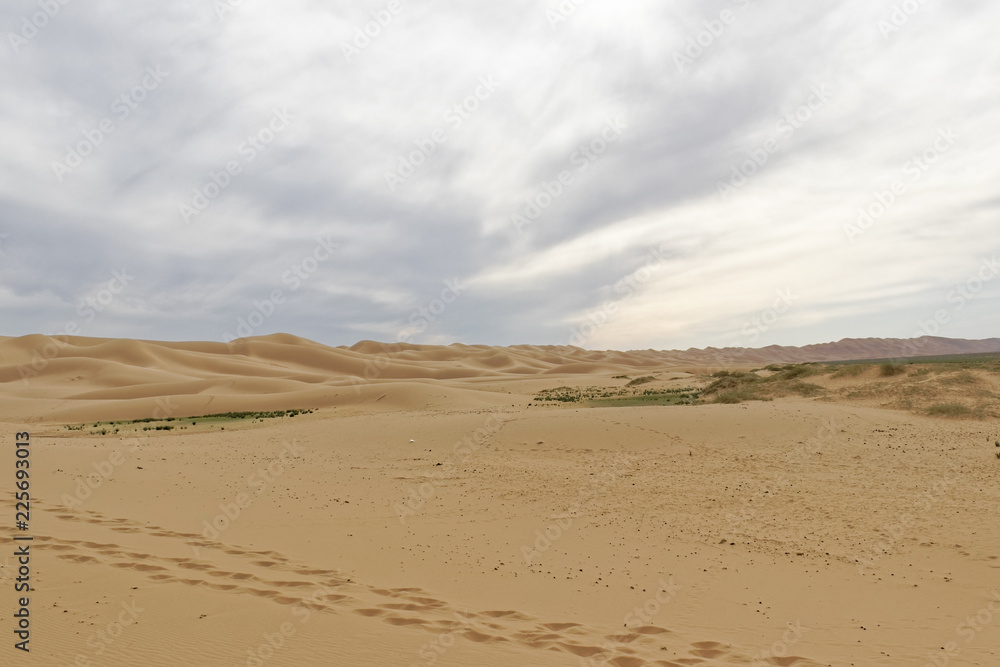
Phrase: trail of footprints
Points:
(291, 583)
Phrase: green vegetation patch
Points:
(669, 397)
(739, 395)
(889, 369)
(949, 410)
(850, 370)
(985, 360)
(962, 377)
(618, 396)
(170, 423)
(739, 386)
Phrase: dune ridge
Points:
(66, 378)
(445, 506)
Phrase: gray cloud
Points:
(697, 91)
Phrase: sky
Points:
(632, 175)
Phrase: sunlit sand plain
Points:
(469, 505)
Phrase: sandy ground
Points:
(446, 518)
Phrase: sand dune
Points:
(434, 509)
(65, 373)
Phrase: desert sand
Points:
(427, 508)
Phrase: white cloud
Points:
(889, 97)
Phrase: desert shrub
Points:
(795, 371)
(805, 388)
(732, 381)
(643, 380)
(730, 396)
(890, 369)
(948, 410)
(561, 394)
(851, 370)
(964, 377)
(734, 396)
(739, 395)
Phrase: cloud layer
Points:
(659, 175)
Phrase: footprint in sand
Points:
(709, 649)
(394, 620)
(370, 612)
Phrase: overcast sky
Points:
(611, 175)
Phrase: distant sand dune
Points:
(436, 510)
(42, 375)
